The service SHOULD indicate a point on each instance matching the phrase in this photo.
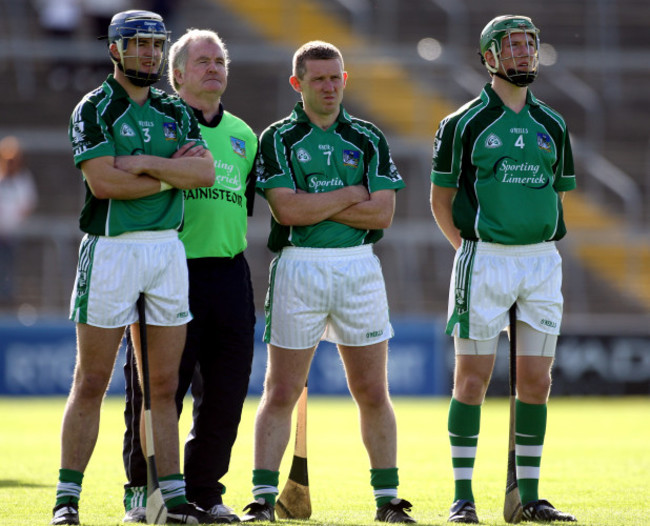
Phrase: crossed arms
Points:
(350, 205)
(135, 176)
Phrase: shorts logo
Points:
(374, 334)
(127, 131)
(169, 129)
(303, 156)
(548, 323)
(351, 158)
(183, 314)
(544, 142)
(461, 301)
(493, 141)
(238, 146)
(82, 283)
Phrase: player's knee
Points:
(281, 395)
(163, 386)
(90, 384)
(369, 393)
(470, 389)
(534, 389)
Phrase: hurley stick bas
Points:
(512, 509)
(294, 501)
(156, 509)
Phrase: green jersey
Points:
(108, 123)
(508, 167)
(216, 218)
(294, 153)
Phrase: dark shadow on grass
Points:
(8, 483)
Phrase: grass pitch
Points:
(596, 461)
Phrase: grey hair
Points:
(178, 53)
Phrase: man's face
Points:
(205, 70)
(518, 53)
(322, 85)
(144, 55)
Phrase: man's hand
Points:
(190, 149)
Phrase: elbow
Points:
(208, 176)
(100, 191)
(384, 221)
(284, 219)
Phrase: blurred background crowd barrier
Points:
(410, 63)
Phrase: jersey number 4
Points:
(519, 143)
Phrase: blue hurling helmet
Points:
(138, 24)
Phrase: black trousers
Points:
(216, 362)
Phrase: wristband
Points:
(165, 186)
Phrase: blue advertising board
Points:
(39, 360)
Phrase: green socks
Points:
(384, 483)
(463, 426)
(531, 429)
(172, 488)
(265, 485)
(68, 488)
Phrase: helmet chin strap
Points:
(517, 77)
(138, 79)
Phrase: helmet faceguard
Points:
(139, 25)
(492, 38)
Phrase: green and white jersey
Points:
(216, 218)
(108, 123)
(294, 153)
(508, 167)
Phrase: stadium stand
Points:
(598, 82)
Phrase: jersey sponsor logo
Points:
(510, 171)
(543, 142)
(351, 158)
(316, 183)
(493, 141)
(227, 175)
(238, 146)
(170, 131)
(216, 194)
(127, 131)
(303, 156)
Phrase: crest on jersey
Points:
(493, 141)
(351, 158)
(127, 131)
(238, 146)
(303, 156)
(543, 142)
(169, 129)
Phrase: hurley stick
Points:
(294, 501)
(156, 509)
(512, 504)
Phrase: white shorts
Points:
(333, 294)
(488, 278)
(112, 271)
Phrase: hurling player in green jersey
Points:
(137, 148)
(501, 165)
(330, 182)
(218, 351)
